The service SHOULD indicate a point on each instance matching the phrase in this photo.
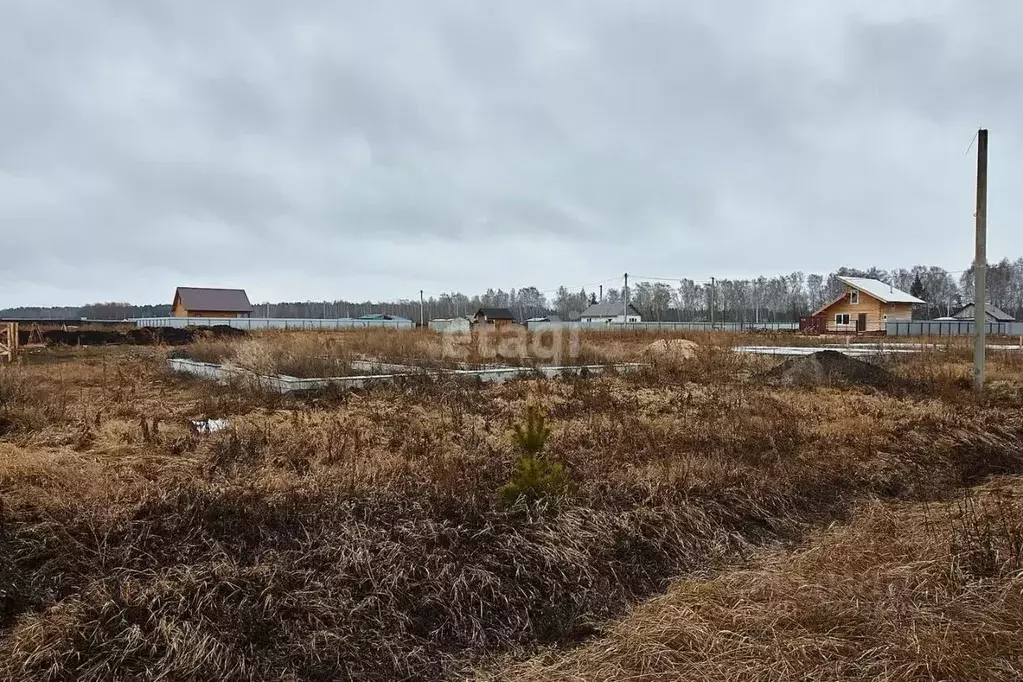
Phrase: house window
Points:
(854, 297)
(841, 318)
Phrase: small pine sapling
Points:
(532, 435)
(534, 478)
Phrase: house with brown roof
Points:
(204, 302)
(497, 317)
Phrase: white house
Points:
(605, 312)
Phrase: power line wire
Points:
(434, 294)
(581, 286)
(971, 143)
(662, 279)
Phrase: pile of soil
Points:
(829, 368)
(672, 350)
(140, 336)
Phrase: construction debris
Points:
(208, 425)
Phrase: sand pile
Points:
(829, 368)
(671, 350)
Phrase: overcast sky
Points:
(365, 150)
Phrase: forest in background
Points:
(783, 298)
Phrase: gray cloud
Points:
(367, 150)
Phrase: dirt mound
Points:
(142, 336)
(673, 350)
(829, 368)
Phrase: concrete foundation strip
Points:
(287, 384)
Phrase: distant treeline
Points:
(783, 298)
(92, 311)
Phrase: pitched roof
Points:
(608, 309)
(214, 300)
(885, 293)
(995, 312)
(495, 313)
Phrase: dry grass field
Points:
(331, 354)
(903, 592)
(447, 530)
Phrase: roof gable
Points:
(213, 300)
(608, 309)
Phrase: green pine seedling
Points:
(532, 435)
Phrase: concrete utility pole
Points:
(625, 292)
(980, 265)
(711, 302)
(422, 317)
(601, 300)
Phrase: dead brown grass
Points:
(361, 535)
(905, 592)
(321, 354)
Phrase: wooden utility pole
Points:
(980, 265)
(422, 314)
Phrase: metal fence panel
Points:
(256, 323)
(950, 328)
(665, 326)
(706, 326)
